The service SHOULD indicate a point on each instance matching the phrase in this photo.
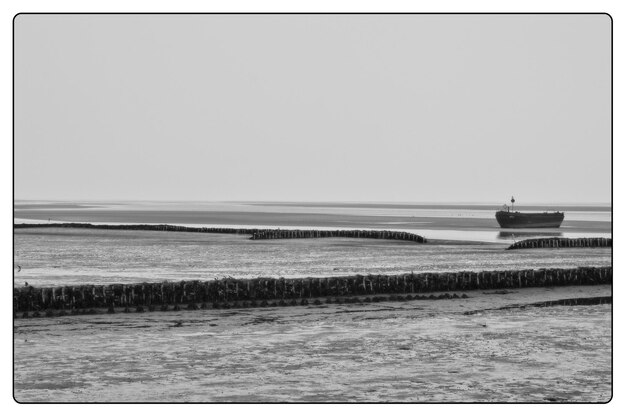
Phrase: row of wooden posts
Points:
(256, 233)
(361, 234)
(151, 227)
(231, 290)
(562, 242)
(580, 301)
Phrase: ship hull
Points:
(516, 220)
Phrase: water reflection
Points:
(527, 235)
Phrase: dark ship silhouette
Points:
(509, 219)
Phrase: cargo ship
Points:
(509, 219)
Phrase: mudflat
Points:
(54, 257)
(414, 351)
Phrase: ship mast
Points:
(512, 203)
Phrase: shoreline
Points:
(506, 237)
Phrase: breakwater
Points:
(150, 227)
(255, 233)
(361, 234)
(586, 301)
(562, 242)
(227, 293)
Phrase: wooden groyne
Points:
(580, 301)
(360, 234)
(149, 227)
(256, 233)
(562, 242)
(258, 292)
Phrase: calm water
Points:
(448, 222)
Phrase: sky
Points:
(389, 108)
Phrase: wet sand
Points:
(414, 351)
(53, 257)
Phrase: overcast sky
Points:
(414, 108)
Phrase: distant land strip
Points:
(266, 292)
(563, 242)
(256, 233)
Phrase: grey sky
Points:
(467, 108)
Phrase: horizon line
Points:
(405, 202)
